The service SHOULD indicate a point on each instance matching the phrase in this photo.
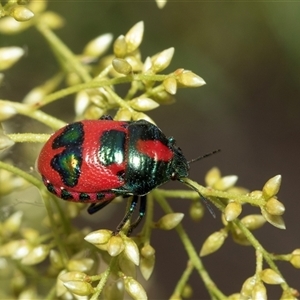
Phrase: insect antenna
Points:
(203, 156)
(206, 202)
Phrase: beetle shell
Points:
(97, 160)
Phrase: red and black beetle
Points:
(94, 161)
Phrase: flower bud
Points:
(115, 245)
(187, 291)
(9, 56)
(213, 242)
(225, 182)
(196, 211)
(126, 265)
(28, 293)
(276, 221)
(147, 261)
(247, 287)
(253, 222)
(36, 255)
(135, 63)
(239, 237)
(81, 265)
(21, 13)
(73, 276)
(147, 266)
(271, 277)
(162, 60)
(147, 65)
(161, 3)
(295, 258)
(79, 287)
(170, 85)
(274, 207)
(9, 25)
(163, 97)
(132, 251)
(134, 289)
(98, 46)
(272, 187)
(147, 251)
(12, 224)
(212, 176)
(232, 210)
(120, 46)
(143, 104)
(121, 66)
(99, 237)
(134, 36)
(190, 79)
(169, 221)
(259, 291)
(123, 114)
(141, 116)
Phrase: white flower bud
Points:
(99, 236)
(232, 211)
(98, 46)
(132, 251)
(115, 245)
(21, 13)
(225, 182)
(5, 141)
(271, 277)
(9, 56)
(190, 79)
(276, 221)
(134, 36)
(9, 25)
(169, 221)
(170, 85)
(134, 289)
(80, 288)
(162, 60)
(143, 104)
(81, 265)
(36, 255)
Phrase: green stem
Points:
(64, 53)
(29, 137)
(104, 278)
(29, 111)
(183, 280)
(96, 84)
(34, 181)
(194, 257)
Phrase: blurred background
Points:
(249, 56)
